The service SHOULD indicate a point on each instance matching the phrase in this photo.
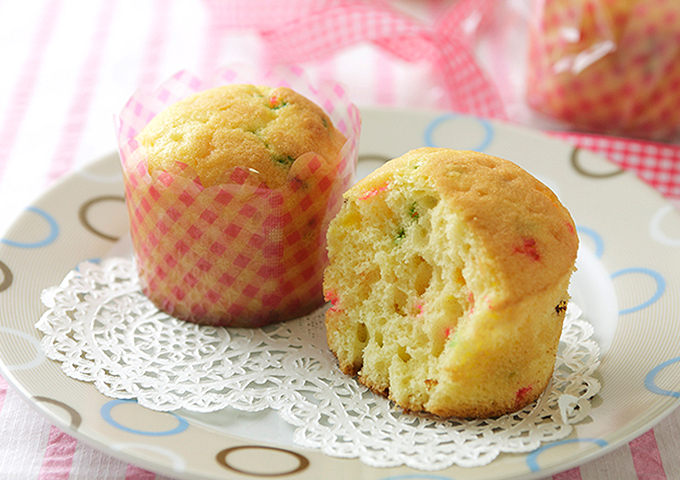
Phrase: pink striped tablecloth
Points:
(68, 66)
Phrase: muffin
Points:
(260, 128)
(448, 276)
(230, 191)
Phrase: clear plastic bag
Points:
(603, 66)
(611, 66)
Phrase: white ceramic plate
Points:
(628, 285)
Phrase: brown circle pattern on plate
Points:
(222, 460)
(7, 277)
(82, 215)
(575, 162)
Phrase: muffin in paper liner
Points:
(237, 253)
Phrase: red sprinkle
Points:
(522, 394)
(331, 296)
(529, 248)
(373, 192)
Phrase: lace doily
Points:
(104, 330)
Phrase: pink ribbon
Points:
(299, 31)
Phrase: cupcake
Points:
(230, 187)
(448, 276)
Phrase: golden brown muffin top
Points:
(526, 238)
(261, 128)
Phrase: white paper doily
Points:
(104, 330)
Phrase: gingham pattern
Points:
(658, 164)
(333, 25)
(236, 254)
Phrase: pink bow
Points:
(298, 31)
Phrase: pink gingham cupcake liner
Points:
(239, 253)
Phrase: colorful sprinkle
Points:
(400, 236)
(529, 248)
(373, 192)
(334, 305)
(413, 211)
(275, 102)
(522, 394)
(331, 296)
(285, 160)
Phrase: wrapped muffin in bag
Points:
(608, 66)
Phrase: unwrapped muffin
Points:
(230, 191)
(448, 276)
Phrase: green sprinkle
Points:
(413, 211)
(280, 105)
(285, 160)
(400, 236)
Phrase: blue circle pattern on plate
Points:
(651, 376)
(434, 124)
(660, 286)
(597, 239)
(51, 237)
(532, 457)
(106, 415)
